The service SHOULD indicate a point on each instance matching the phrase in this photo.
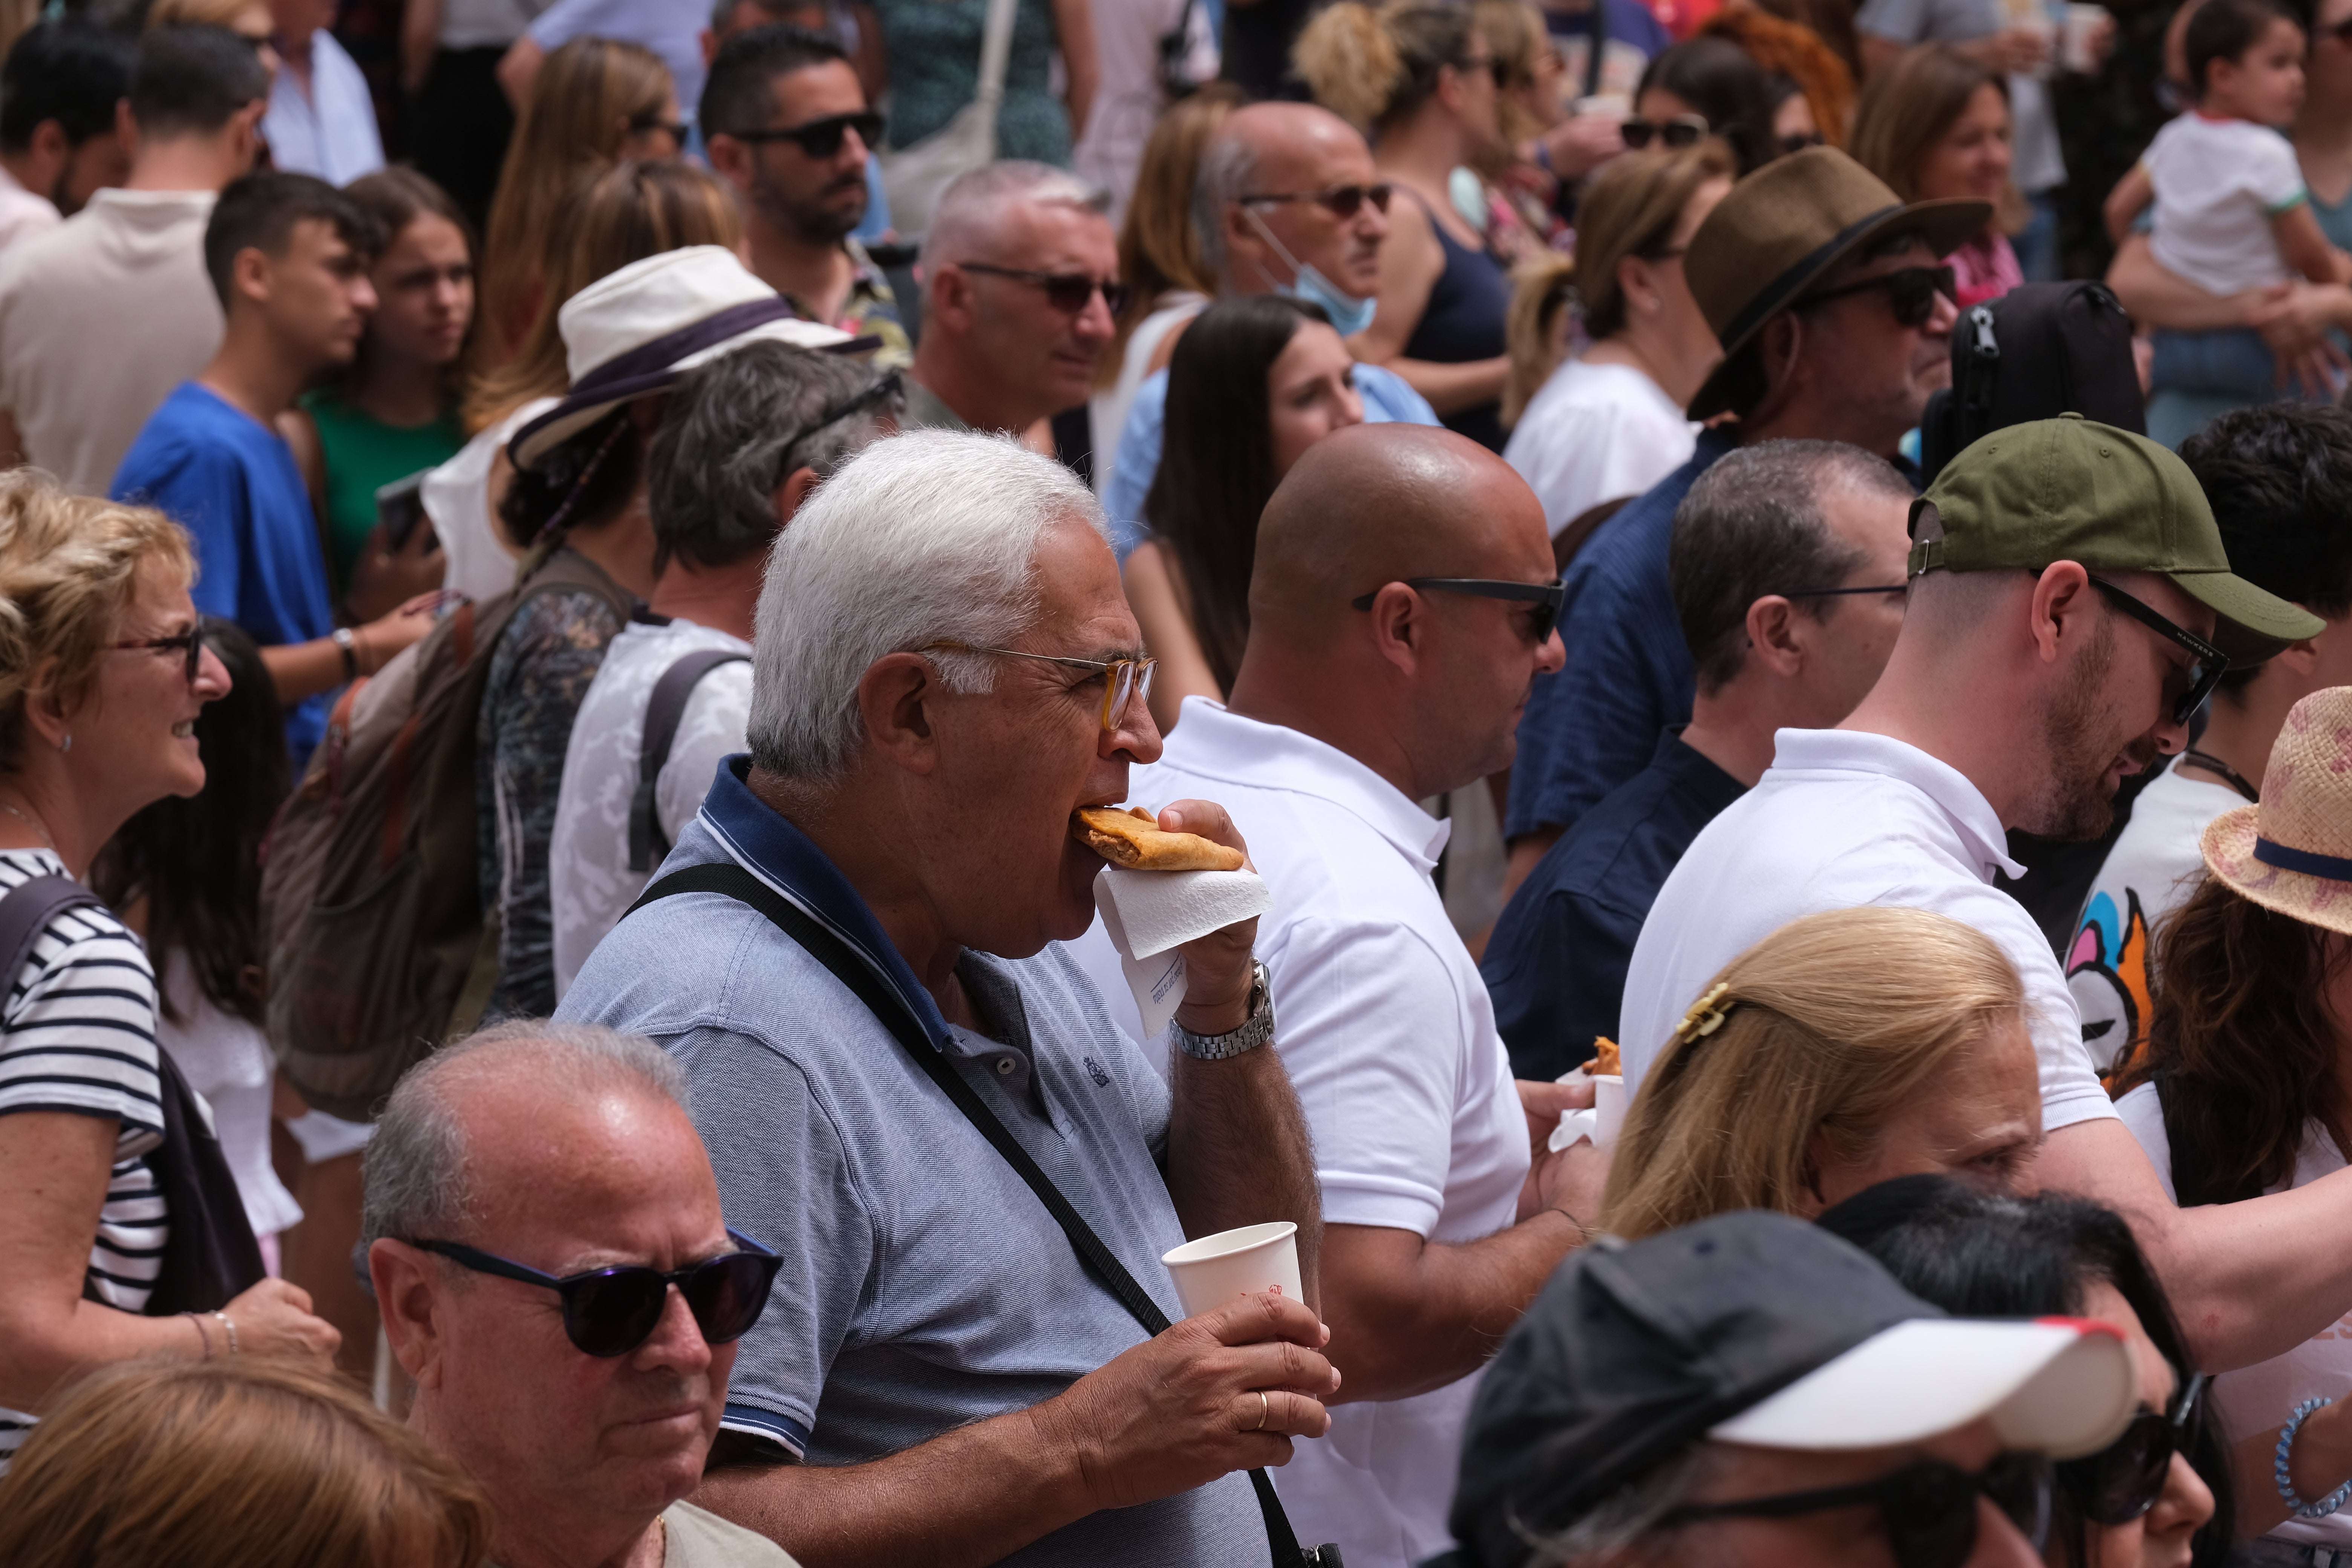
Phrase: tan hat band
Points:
(2334, 868)
(1777, 297)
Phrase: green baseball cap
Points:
(2071, 489)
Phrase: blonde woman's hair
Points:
(1630, 208)
(613, 217)
(1515, 34)
(1832, 1023)
(1159, 244)
(1373, 67)
(1906, 109)
(68, 565)
(582, 103)
(245, 1462)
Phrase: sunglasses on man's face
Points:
(1547, 597)
(190, 642)
(1912, 291)
(609, 1313)
(1341, 202)
(2207, 663)
(822, 138)
(1682, 130)
(1068, 292)
(1929, 1509)
(2122, 1482)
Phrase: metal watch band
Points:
(1255, 1030)
(347, 644)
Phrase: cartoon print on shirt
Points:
(2107, 971)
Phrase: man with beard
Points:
(2070, 607)
(789, 128)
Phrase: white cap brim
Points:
(2059, 1386)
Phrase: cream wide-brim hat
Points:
(2293, 852)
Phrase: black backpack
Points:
(2039, 350)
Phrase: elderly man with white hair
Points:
(1020, 271)
(849, 954)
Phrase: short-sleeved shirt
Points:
(1390, 1040)
(1595, 724)
(231, 481)
(871, 310)
(329, 130)
(924, 1286)
(1595, 432)
(2218, 183)
(1844, 819)
(23, 213)
(1556, 962)
(2037, 164)
(78, 1035)
(588, 879)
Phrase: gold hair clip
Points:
(1707, 1015)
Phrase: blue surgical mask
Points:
(1348, 314)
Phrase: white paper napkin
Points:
(1149, 914)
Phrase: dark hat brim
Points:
(1946, 226)
(2251, 625)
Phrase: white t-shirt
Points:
(99, 318)
(2260, 1397)
(228, 1061)
(1844, 819)
(457, 497)
(2153, 867)
(2218, 185)
(1390, 1040)
(590, 884)
(1593, 433)
(329, 130)
(24, 214)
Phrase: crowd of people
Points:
(1752, 683)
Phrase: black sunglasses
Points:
(1682, 130)
(2123, 1480)
(610, 1311)
(1339, 201)
(1068, 292)
(1547, 596)
(193, 640)
(822, 138)
(2203, 675)
(1929, 1509)
(1798, 141)
(1911, 290)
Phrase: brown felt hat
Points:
(1782, 229)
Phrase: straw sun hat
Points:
(2293, 852)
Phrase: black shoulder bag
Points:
(733, 881)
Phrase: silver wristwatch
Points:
(1254, 1031)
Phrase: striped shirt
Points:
(78, 1034)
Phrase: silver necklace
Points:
(32, 823)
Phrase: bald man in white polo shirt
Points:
(1365, 688)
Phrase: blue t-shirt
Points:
(1556, 964)
(230, 480)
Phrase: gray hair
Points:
(417, 1180)
(738, 426)
(1753, 525)
(1228, 169)
(926, 537)
(1622, 1524)
(968, 215)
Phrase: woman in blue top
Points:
(932, 49)
(1423, 78)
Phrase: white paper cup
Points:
(2084, 25)
(1214, 1269)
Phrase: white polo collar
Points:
(1213, 741)
(1949, 789)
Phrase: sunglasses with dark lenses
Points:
(1928, 1509)
(609, 1313)
(2211, 664)
(1547, 596)
(822, 138)
(1682, 130)
(1911, 290)
(1068, 292)
(2122, 1482)
(1339, 201)
(192, 642)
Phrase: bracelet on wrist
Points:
(230, 1328)
(203, 1333)
(347, 644)
(2283, 1473)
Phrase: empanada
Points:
(1129, 840)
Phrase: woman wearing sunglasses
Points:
(2242, 1092)
(2159, 1496)
(1706, 87)
(1935, 126)
(122, 1235)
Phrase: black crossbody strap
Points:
(883, 1001)
(664, 713)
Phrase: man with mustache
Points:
(2070, 607)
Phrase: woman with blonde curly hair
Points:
(1844, 1050)
(247, 1463)
(122, 1234)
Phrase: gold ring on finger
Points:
(1264, 1409)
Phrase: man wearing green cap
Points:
(2070, 607)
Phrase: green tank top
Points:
(364, 454)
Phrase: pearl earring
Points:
(66, 744)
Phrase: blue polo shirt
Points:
(1556, 964)
(924, 1286)
(230, 480)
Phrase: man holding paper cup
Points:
(850, 952)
